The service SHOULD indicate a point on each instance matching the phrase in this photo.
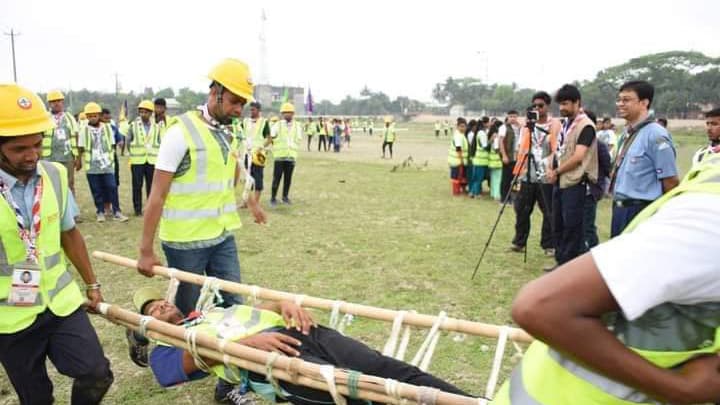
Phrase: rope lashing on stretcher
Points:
(209, 293)
(425, 352)
(173, 285)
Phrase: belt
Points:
(630, 203)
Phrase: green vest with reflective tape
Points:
(667, 335)
(482, 156)
(311, 128)
(57, 290)
(107, 139)
(390, 133)
(285, 144)
(201, 203)
(70, 126)
(453, 159)
(254, 139)
(144, 146)
(235, 323)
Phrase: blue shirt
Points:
(23, 194)
(650, 158)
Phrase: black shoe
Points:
(138, 348)
(286, 201)
(516, 248)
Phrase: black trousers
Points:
(327, 346)
(309, 141)
(390, 145)
(117, 169)
(322, 140)
(568, 211)
(141, 173)
(72, 346)
(282, 169)
(529, 194)
(507, 177)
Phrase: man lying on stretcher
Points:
(273, 326)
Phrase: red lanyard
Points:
(28, 236)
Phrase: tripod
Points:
(530, 159)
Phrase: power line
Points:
(12, 34)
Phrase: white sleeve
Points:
(81, 137)
(502, 131)
(274, 131)
(172, 149)
(669, 258)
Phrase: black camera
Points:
(532, 114)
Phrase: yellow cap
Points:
(92, 108)
(22, 112)
(146, 105)
(287, 108)
(55, 95)
(144, 295)
(82, 116)
(234, 75)
(274, 118)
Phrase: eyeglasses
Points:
(625, 100)
(539, 105)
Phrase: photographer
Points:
(540, 132)
(577, 164)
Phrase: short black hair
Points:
(643, 89)
(105, 111)
(663, 122)
(542, 95)
(160, 101)
(715, 112)
(461, 120)
(257, 105)
(567, 92)
(592, 116)
(485, 119)
(512, 112)
(607, 119)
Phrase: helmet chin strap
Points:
(219, 116)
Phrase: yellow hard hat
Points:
(234, 75)
(274, 118)
(54, 95)
(388, 118)
(146, 105)
(287, 107)
(144, 295)
(22, 112)
(82, 115)
(92, 108)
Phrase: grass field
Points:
(358, 232)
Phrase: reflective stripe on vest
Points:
(198, 214)
(285, 144)
(49, 136)
(453, 159)
(107, 139)
(255, 138)
(139, 153)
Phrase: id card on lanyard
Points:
(26, 276)
(565, 131)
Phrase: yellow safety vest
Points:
(546, 376)
(285, 144)
(164, 125)
(390, 133)
(201, 203)
(453, 159)
(144, 146)
(57, 290)
(71, 131)
(107, 140)
(311, 128)
(482, 156)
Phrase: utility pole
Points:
(117, 85)
(12, 34)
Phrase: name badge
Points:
(25, 285)
(60, 134)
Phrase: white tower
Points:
(263, 77)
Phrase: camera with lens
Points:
(532, 114)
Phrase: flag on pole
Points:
(285, 95)
(122, 116)
(309, 103)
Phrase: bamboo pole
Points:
(420, 320)
(369, 387)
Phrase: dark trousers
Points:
(117, 169)
(589, 227)
(568, 210)
(141, 173)
(529, 194)
(388, 144)
(622, 216)
(282, 169)
(327, 346)
(72, 346)
(507, 177)
(309, 141)
(322, 140)
(104, 189)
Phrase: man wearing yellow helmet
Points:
(97, 147)
(192, 200)
(286, 136)
(40, 306)
(144, 141)
(60, 143)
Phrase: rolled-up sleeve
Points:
(662, 152)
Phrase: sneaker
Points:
(228, 393)
(137, 348)
(100, 217)
(516, 248)
(550, 252)
(119, 217)
(550, 267)
(286, 201)
(273, 203)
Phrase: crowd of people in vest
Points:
(634, 320)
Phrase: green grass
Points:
(360, 233)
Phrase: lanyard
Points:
(28, 236)
(567, 129)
